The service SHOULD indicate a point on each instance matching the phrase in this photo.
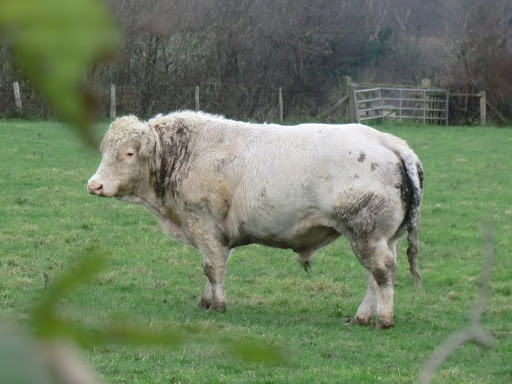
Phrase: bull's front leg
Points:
(214, 294)
(215, 257)
(368, 307)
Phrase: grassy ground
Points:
(47, 218)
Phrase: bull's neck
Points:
(171, 166)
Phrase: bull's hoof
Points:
(204, 304)
(359, 321)
(384, 323)
(219, 307)
(213, 306)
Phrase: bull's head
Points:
(124, 164)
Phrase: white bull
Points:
(216, 184)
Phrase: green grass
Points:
(47, 218)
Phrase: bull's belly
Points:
(308, 234)
(313, 239)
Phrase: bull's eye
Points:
(129, 154)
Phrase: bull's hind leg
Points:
(368, 308)
(377, 257)
(205, 302)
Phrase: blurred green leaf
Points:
(55, 42)
(45, 320)
(133, 334)
(48, 324)
(251, 351)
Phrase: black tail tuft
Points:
(414, 176)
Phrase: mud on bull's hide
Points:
(216, 184)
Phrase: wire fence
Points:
(17, 99)
(231, 101)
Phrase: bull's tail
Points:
(414, 179)
(412, 237)
(414, 176)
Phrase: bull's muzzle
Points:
(94, 187)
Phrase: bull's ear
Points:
(147, 145)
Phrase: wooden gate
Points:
(429, 106)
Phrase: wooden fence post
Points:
(17, 97)
(197, 98)
(112, 101)
(346, 88)
(281, 108)
(483, 107)
(427, 103)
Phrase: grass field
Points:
(47, 219)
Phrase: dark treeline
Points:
(241, 51)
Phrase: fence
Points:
(429, 106)
(197, 101)
(358, 102)
(471, 108)
(234, 101)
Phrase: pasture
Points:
(47, 219)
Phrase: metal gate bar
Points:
(424, 105)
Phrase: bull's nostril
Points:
(95, 188)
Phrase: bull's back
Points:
(314, 163)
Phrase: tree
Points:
(480, 56)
